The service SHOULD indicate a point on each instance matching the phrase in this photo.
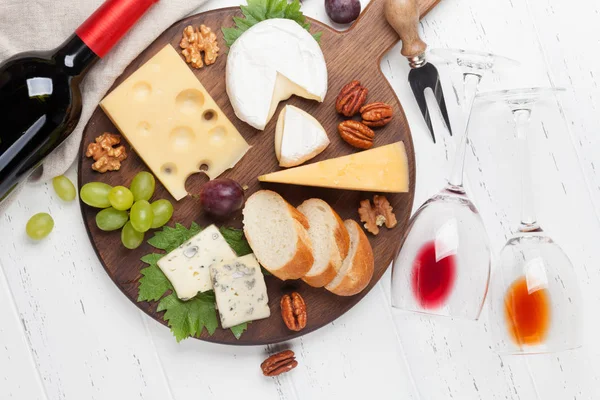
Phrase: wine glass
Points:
(534, 294)
(443, 264)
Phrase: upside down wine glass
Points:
(534, 295)
(443, 265)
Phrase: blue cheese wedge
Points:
(240, 291)
(187, 267)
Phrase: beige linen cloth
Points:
(27, 25)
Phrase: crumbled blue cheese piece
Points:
(187, 267)
(240, 291)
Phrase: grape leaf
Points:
(186, 318)
(239, 329)
(189, 318)
(236, 240)
(259, 10)
(153, 284)
(170, 238)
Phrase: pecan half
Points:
(376, 114)
(351, 99)
(356, 134)
(377, 214)
(279, 363)
(293, 311)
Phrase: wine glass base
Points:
(473, 62)
(520, 99)
(533, 351)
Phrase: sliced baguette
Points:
(277, 234)
(330, 241)
(357, 269)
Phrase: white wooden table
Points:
(68, 333)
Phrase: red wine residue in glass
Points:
(433, 279)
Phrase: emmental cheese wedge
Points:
(383, 169)
(173, 123)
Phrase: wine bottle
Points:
(40, 99)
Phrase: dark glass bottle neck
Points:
(74, 57)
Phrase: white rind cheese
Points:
(269, 63)
(187, 267)
(298, 137)
(240, 291)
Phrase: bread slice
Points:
(330, 241)
(276, 231)
(357, 269)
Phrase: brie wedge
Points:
(298, 137)
(269, 63)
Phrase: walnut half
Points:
(196, 41)
(107, 157)
(377, 214)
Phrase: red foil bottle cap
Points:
(111, 22)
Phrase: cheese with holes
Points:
(269, 63)
(240, 291)
(298, 137)
(173, 123)
(382, 169)
(187, 267)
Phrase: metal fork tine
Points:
(422, 78)
(425, 111)
(439, 97)
(419, 93)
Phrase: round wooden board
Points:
(354, 54)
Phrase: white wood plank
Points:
(211, 371)
(87, 339)
(337, 360)
(18, 373)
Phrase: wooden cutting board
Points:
(353, 54)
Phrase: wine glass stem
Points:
(455, 180)
(528, 218)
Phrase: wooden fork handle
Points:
(403, 16)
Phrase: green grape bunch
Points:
(128, 209)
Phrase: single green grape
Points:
(64, 188)
(142, 186)
(162, 211)
(131, 238)
(121, 198)
(111, 219)
(141, 216)
(95, 194)
(39, 226)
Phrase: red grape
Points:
(222, 197)
(342, 11)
